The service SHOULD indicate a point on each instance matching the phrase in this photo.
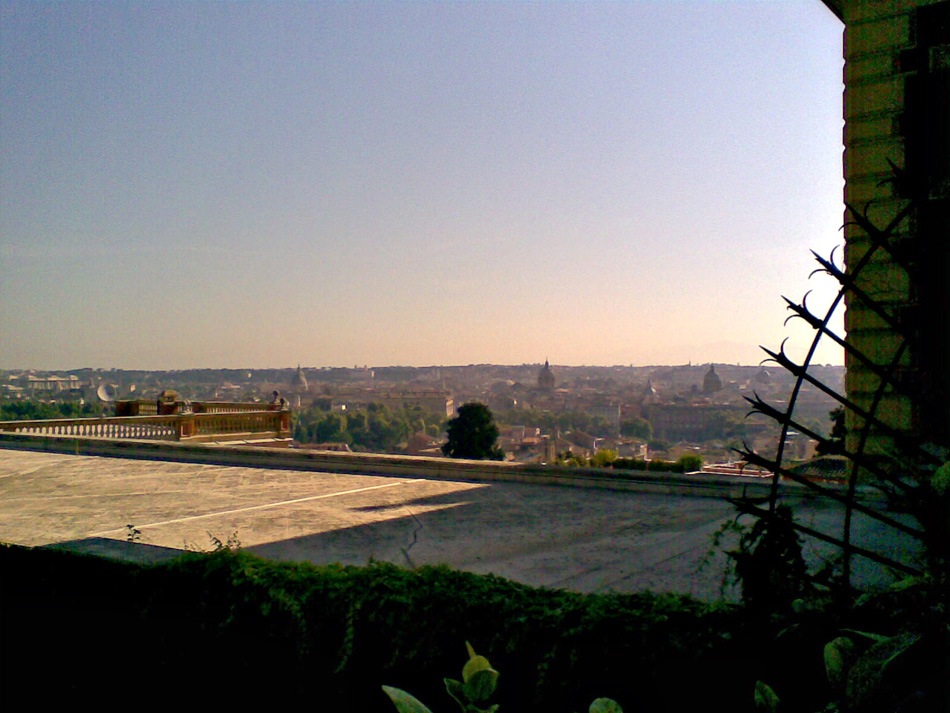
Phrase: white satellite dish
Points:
(106, 393)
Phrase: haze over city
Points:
(262, 184)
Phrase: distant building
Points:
(546, 380)
(583, 442)
(422, 444)
(523, 443)
(648, 396)
(299, 381)
(610, 412)
(711, 382)
(51, 384)
(689, 422)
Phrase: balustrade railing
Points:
(162, 428)
(145, 407)
(230, 407)
(222, 425)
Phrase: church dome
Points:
(299, 382)
(649, 391)
(711, 382)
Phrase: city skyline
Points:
(260, 185)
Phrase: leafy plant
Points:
(132, 533)
(835, 442)
(689, 461)
(571, 458)
(605, 705)
(766, 700)
(473, 692)
(478, 683)
(769, 564)
(405, 702)
(232, 543)
(603, 457)
(873, 672)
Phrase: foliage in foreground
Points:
(898, 663)
(228, 628)
(472, 693)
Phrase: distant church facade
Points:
(546, 380)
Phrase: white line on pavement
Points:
(259, 507)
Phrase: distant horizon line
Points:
(410, 366)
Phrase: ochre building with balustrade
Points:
(173, 420)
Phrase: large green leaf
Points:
(456, 690)
(941, 479)
(765, 698)
(479, 687)
(473, 666)
(839, 654)
(874, 638)
(605, 705)
(404, 702)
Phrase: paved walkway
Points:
(583, 539)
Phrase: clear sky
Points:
(257, 184)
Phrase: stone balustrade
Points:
(227, 425)
(230, 407)
(162, 428)
(145, 407)
(230, 425)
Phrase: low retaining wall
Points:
(696, 485)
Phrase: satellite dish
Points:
(106, 393)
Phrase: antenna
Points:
(106, 393)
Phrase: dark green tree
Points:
(835, 443)
(689, 462)
(636, 427)
(39, 410)
(332, 429)
(472, 434)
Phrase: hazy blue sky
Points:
(336, 183)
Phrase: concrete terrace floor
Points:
(583, 539)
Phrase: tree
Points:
(689, 462)
(835, 442)
(472, 434)
(38, 410)
(332, 429)
(603, 457)
(636, 427)
(569, 457)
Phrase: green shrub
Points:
(227, 628)
(689, 462)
